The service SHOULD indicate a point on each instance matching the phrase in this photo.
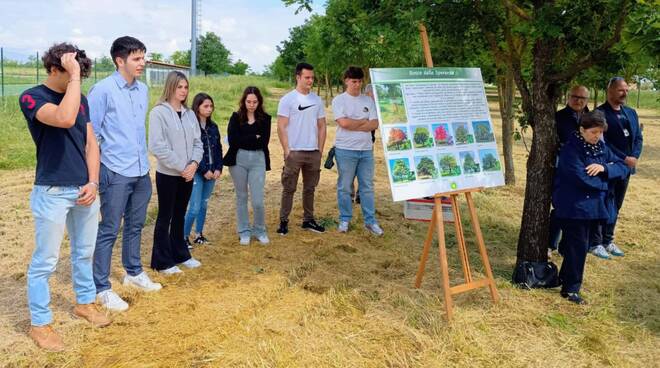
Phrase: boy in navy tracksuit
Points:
(582, 197)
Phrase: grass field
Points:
(343, 300)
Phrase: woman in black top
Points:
(248, 160)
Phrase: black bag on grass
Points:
(529, 275)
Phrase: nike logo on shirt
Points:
(301, 108)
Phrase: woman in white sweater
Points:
(174, 139)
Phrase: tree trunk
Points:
(506, 92)
(534, 228)
(595, 97)
(328, 88)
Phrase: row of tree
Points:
(535, 47)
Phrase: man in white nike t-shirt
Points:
(356, 117)
(301, 128)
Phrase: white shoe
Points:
(110, 300)
(171, 271)
(244, 240)
(263, 239)
(343, 227)
(374, 229)
(142, 281)
(192, 263)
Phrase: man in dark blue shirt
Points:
(64, 193)
(624, 138)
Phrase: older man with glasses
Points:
(567, 122)
(624, 138)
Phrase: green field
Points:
(17, 148)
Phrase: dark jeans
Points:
(127, 198)
(574, 246)
(309, 162)
(170, 247)
(620, 188)
(595, 236)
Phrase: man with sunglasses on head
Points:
(64, 193)
(624, 138)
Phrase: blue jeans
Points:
(249, 173)
(126, 197)
(199, 200)
(349, 165)
(55, 208)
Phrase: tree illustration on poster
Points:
(470, 166)
(398, 140)
(491, 163)
(449, 166)
(422, 137)
(426, 168)
(401, 172)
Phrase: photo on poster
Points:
(489, 160)
(462, 133)
(483, 132)
(422, 136)
(442, 135)
(469, 162)
(398, 139)
(425, 168)
(390, 103)
(401, 172)
(448, 165)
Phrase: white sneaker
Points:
(110, 300)
(244, 240)
(142, 281)
(192, 263)
(374, 229)
(343, 227)
(263, 239)
(171, 271)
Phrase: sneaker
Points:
(599, 251)
(192, 263)
(614, 250)
(263, 239)
(171, 271)
(573, 297)
(284, 227)
(111, 301)
(142, 281)
(374, 229)
(244, 240)
(92, 314)
(200, 239)
(343, 227)
(189, 244)
(311, 225)
(46, 338)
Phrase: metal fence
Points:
(20, 71)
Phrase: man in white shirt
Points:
(301, 128)
(356, 117)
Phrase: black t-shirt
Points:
(60, 152)
(247, 139)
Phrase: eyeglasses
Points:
(613, 80)
(579, 98)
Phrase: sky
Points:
(249, 29)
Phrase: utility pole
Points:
(193, 38)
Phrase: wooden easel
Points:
(438, 224)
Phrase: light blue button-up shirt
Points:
(118, 111)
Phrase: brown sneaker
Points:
(91, 313)
(46, 338)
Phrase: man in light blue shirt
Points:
(118, 107)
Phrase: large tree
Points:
(213, 57)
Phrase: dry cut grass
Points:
(346, 300)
